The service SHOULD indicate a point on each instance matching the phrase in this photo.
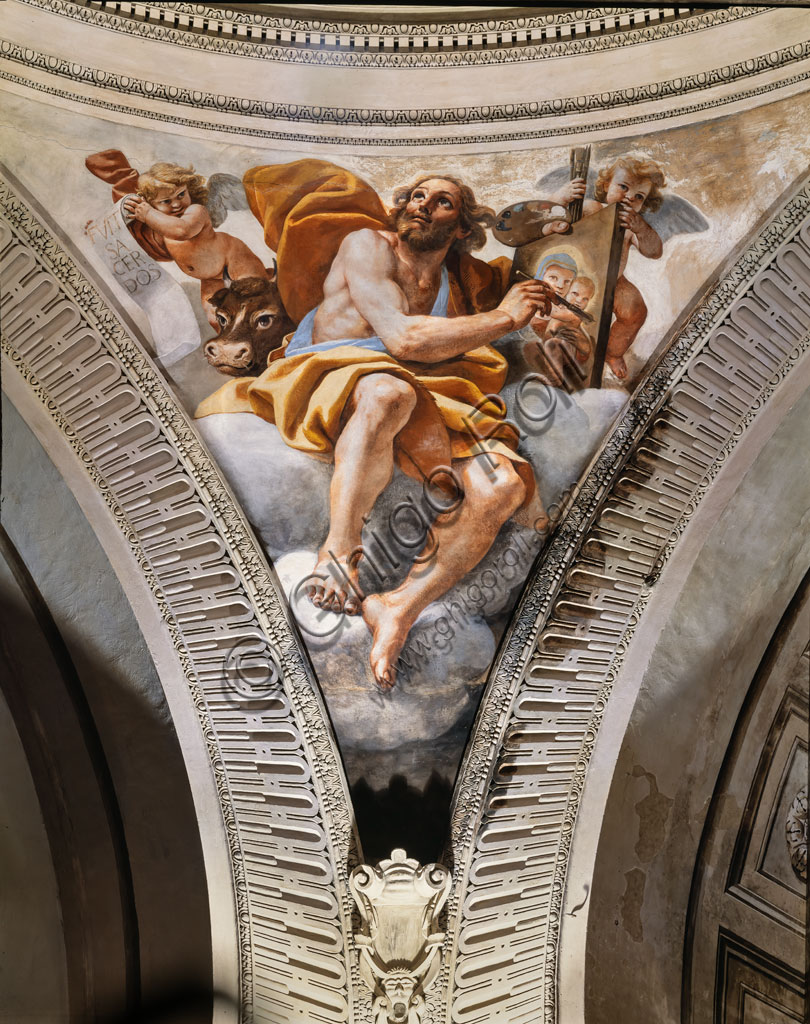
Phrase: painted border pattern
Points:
(404, 46)
(404, 142)
(411, 117)
(544, 704)
(90, 342)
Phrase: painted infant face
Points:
(580, 294)
(559, 278)
(627, 187)
(173, 200)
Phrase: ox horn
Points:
(275, 270)
(226, 277)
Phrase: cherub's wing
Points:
(560, 176)
(225, 192)
(676, 216)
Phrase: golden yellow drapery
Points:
(307, 208)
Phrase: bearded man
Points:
(386, 367)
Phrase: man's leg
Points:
(364, 462)
(493, 492)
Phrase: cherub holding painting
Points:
(636, 185)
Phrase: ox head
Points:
(252, 322)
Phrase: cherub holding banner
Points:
(175, 212)
(172, 201)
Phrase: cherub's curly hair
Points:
(473, 217)
(163, 175)
(642, 167)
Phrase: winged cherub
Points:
(173, 201)
(649, 217)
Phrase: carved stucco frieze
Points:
(282, 792)
(349, 43)
(796, 833)
(356, 140)
(283, 796)
(606, 101)
(516, 800)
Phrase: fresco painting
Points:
(401, 385)
(389, 367)
(566, 347)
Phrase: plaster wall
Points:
(698, 671)
(33, 971)
(127, 708)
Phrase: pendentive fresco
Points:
(403, 367)
(405, 361)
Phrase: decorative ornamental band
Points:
(355, 140)
(549, 691)
(389, 44)
(198, 99)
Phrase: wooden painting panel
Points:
(569, 351)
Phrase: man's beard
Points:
(423, 237)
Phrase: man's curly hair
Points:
(473, 217)
(163, 175)
(641, 167)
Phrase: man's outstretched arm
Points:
(369, 266)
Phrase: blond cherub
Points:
(171, 200)
(636, 185)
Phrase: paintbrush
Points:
(560, 301)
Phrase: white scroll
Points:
(174, 326)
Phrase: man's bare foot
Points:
(618, 365)
(389, 631)
(333, 584)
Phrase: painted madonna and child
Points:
(423, 402)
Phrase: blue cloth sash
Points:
(301, 341)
